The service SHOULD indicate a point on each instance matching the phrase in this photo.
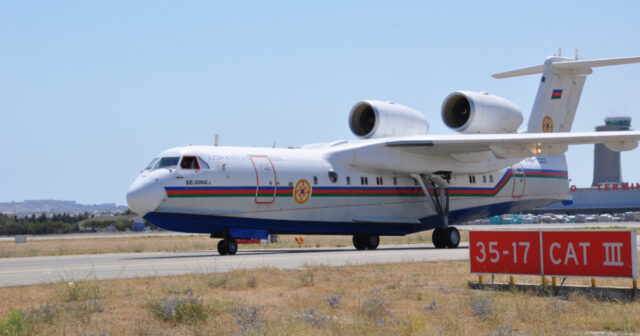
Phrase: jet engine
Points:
(479, 112)
(376, 119)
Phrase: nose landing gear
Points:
(227, 247)
(366, 242)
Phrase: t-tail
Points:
(560, 89)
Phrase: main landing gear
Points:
(446, 237)
(366, 242)
(436, 190)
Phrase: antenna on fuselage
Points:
(217, 141)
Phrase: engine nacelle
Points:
(376, 119)
(475, 112)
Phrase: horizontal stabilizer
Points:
(568, 65)
(579, 64)
(521, 72)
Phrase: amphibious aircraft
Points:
(395, 179)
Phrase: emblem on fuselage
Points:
(302, 191)
(547, 124)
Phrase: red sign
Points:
(563, 253)
(590, 253)
(508, 252)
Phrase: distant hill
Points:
(56, 206)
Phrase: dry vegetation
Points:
(178, 243)
(386, 299)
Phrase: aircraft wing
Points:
(470, 153)
(517, 145)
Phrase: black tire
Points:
(372, 242)
(359, 242)
(233, 247)
(438, 239)
(222, 247)
(452, 237)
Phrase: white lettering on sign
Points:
(612, 254)
(492, 250)
(554, 260)
(494, 253)
(484, 254)
(584, 246)
(570, 254)
(515, 251)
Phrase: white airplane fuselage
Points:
(263, 189)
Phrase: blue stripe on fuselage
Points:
(212, 224)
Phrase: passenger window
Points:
(491, 178)
(203, 163)
(189, 162)
(348, 180)
(315, 180)
(395, 180)
(333, 176)
(484, 178)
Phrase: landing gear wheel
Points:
(372, 242)
(452, 237)
(232, 247)
(437, 237)
(222, 248)
(227, 247)
(359, 242)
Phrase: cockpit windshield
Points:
(152, 164)
(168, 162)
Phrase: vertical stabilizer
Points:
(559, 92)
(557, 99)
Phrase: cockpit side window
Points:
(152, 164)
(189, 162)
(203, 163)
(168, 162)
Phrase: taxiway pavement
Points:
(35, 270)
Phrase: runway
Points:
(35, 270)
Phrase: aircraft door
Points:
(266, 180)
(519, 180)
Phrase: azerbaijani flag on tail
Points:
(557, 94)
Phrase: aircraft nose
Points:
(145, 195)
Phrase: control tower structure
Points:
(606, 163)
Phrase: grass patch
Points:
(177, 310)
(16, 323)
(412, 298)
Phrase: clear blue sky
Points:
(91, 91)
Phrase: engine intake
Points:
(376, 119)
(475, 112)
